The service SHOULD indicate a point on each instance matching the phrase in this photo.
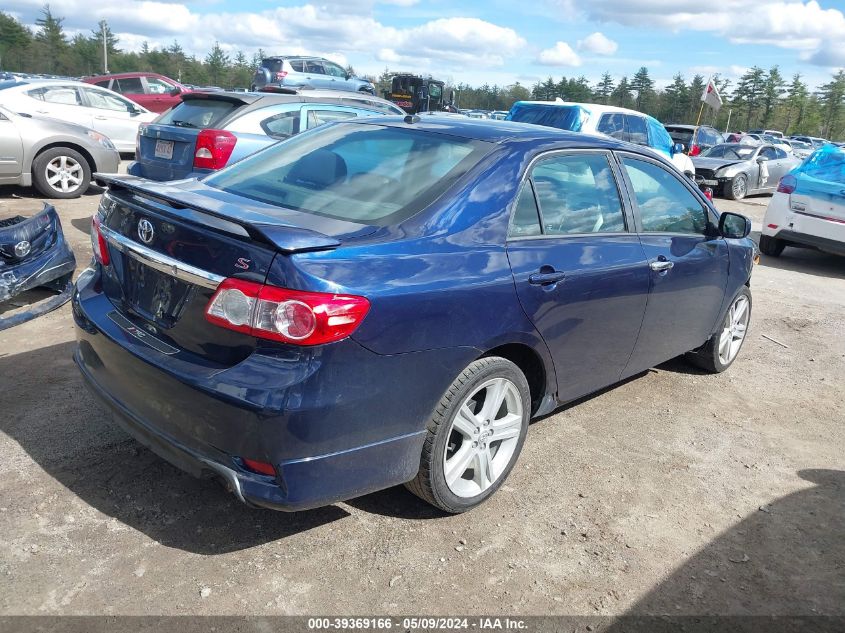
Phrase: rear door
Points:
(113, 116)
(315, 74)
(579, 268)
(687, 266)
(132, 88)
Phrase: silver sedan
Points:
(57, 157)
(735, 170)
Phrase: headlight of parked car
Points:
(102, 139)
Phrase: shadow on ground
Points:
(785, 559)
(66, 433)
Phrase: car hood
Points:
(715, 163)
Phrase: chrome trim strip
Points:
(160, 262)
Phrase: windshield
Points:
(369, 174)
(560, 116)
(735, 152)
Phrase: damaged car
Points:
(735, 170)
(33, 254)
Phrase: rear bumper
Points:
(163, 172)
(336, 422)
(813, 241)
(802, 227)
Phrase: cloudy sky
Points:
(495, 41)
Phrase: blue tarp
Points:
(823, 172)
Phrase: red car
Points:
(155, 92)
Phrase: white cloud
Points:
(561, 54)
(339, 30)
(790, 24)
(598, 44)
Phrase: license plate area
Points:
(164, 149)
(156, 296)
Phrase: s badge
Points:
(242, 263)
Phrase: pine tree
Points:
(773, 89)
(15, 40)
(51, 40)
(796, 102)
(748, 95)
(678, 98)
(621, 95)
(832, 99)
(643, 85)
(604, 88)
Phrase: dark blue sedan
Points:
(389, 300)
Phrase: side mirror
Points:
(678, 148)
(176, 90)
(734, 226)
(133, 109)
(762, 159)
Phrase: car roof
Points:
(295, 57)
(494, 131)
(126, 75)
(684, 126)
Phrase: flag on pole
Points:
(710, 96)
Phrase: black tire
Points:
(771, 246)
(40, 176)
(707, 356)
(737, 187)
(430, 482)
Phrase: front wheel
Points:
(474, 436)
(737, 188)
(719, 353)
(771, 246)
(60, 172)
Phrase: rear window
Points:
(680, 135)
(273, 65)
(369, 174)
(561, 117)
(198, 113)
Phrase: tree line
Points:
(759, 99)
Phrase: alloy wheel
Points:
(64, 174)
(483, 437)
(733, 333)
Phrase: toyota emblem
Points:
(146, 231)
(22, 248)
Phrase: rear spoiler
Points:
(286, 238)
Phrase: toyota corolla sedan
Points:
(390, 300)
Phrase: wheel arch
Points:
(92, 165)
(532, 365)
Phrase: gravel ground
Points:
(674, 492)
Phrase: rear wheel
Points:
(737, 188)
(60, 172)
(719, 353)
(474, 436)
(771, 246)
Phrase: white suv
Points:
(594, 118)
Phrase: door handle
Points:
(546, 278)
(101, 118)
(661, 266)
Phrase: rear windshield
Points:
(561, 117)
(198, 113)
(273, 65)
(680, 135)
(369, 174)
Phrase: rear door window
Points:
(103, 100)
(103, 84)
(298, 65)
(199, 113)
(577, 193)
(637, 131)
(321, 117)
(128, 85)
(613, 124)
(525, 221)
(156, 86)
(62, 95)
(312, 66)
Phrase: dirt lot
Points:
(675, 492)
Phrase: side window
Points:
(665, 204)
(577, 193)
(103, 84)
(314, 67)
(780, 153)
(769, 152)
(298, 65)
(319, 117)
(525, 221)
(62, 95)
(613, 125)
(129, 85)
(156, 86)
(334, 70)
(282, 125)
(105, 101)
(637, 132)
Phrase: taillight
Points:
(708, 193)
(281, 75)
(280, 314)
(787, 184)
(695, 150)
(214, 147)
(98, 242)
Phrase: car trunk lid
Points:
(172, 244)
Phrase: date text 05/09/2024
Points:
(417, 624)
